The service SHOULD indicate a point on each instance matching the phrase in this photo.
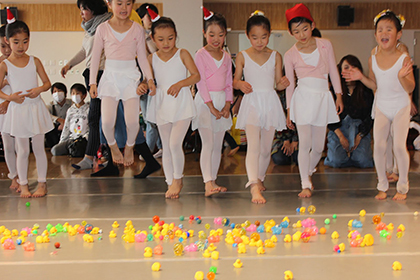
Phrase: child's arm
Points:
(143, 62)
(98, 46)
(228, 89)
(290, 74)
(202, 86)
(192, 79)
(46, 84)
(354, 74)
(335, 78)
(237, 79)
(281, 81)
(150, 59)
(16, 97)
(405, 75)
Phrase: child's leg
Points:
(165, 133)
(381, 127)
(318, 143)
(215, 159)
(131, 115)
(400, 126)
(109, 114)
(10, 157)
(265, 152)
(22, 150)
(305, 145)
(179, 129)
(252, 162)
(41, 164)
(207, 146)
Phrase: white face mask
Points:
(58, 96)
(76, 98)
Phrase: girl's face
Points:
(258, 37)
(86, 14)
(165, 38)
(121, 8)
(215, 36)
(302, 31)
(19, 44)
(386, 34)
(5, 48)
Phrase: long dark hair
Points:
(358, 92)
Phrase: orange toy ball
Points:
(322, 230)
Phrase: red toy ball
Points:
(57, 245)
(156, 219)
(192, 217)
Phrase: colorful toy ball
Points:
(211, 275)
(155, 219)
(57, 245)
(28, 204)
(376, 219)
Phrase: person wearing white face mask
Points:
(58, 110)
(76, 123)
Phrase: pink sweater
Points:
(212, 77)
(131, 46)
(294, 63)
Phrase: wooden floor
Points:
(60, 167)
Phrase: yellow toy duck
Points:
(238, 263)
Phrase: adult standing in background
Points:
(93, 13)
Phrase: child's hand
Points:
(352, 74)
(16, 97)
(245, 87)
(406, 69)
(289, 123)
(152, 87)
(225, 111)
(33, 92)
(3, 107)
(284, 81)
(216, 113)
(142, 89)
(174, 89)
(93, 91)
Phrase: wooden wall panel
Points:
(54, 17)
(324, 14)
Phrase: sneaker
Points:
(158, 154)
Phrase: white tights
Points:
(173, 159)
(22, 150)
(391, 162)
(381, 130)
(9, 154)
(259, 142)
(109, 107)
(311, 145)
(211, 153)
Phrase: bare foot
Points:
(24, 191)
(233, 152)
(381, 195)
(41, 190)
(128, 155)
(117, 157)
(305, 193)
(212, 188)
(399, 196)
(261, 186)
(174, 189)
(392, 178)
(15, 184)
(257, 197)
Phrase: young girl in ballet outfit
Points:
(27, 115)
(172, 108)
(261, 112)
(8, 140)
(213, 99)
(122, 40)
(391, 78)
(310, 104)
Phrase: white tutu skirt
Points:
(263, 109)
(27, 119)
(312, 103)
(119, 80)
(205, 119)
(163, 108)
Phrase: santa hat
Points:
(153, 16)
(10, 17)
(207, 13)
(299, 10)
